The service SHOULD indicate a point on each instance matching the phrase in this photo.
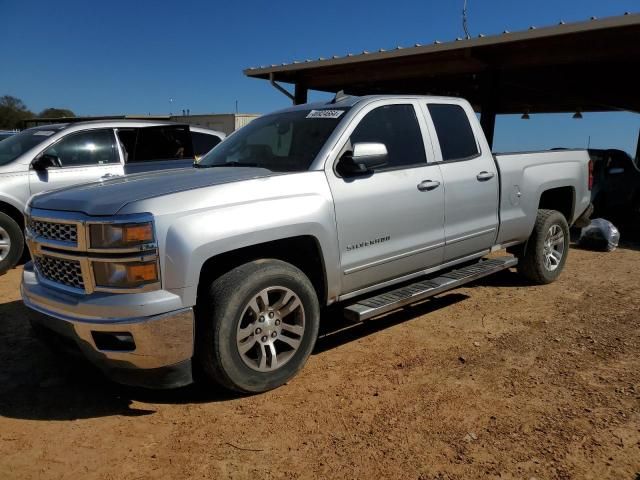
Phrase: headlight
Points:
(125, 275)
(121, 235)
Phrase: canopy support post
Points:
(300, 95)
(489, 105)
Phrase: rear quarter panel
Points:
(531, 174)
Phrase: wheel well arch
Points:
(12, 212)
(303, 252)
(562, 199)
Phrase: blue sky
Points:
(113, 57)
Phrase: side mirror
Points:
(45, 161)
(364, 158)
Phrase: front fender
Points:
(197, 237)
(14, 190)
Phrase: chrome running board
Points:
(390, 300)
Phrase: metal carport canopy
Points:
(585, 66)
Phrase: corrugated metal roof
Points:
(562, 28)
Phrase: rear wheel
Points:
(257, 326)
(544, 256)
(11, 242)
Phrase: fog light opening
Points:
(114, 341)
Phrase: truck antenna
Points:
(340, 95)
(464, 20)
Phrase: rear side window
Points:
(457, 141)
(397, 127)
(162, 143)
(128, 138)
(94, 147)
(203, 142)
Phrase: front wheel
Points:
(257, 326)
(544, 256)
(11, 243)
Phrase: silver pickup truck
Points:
(58, 155)
(369, 203)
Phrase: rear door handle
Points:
(427, 185)
(484, 176)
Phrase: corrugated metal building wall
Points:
(242, 119)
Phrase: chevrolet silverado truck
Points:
(369, 203)
(54, 156)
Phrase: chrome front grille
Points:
(59, 244)
(59, 270)
(60, 232)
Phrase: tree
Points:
(56, 113)
(13, 112)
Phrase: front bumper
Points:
(157, 347)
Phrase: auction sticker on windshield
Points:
(325, 113)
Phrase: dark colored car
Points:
(616, 185)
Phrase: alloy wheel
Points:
(271, 329)
(553, 249)
(5, 244)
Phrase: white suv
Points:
(59, 155)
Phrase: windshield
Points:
(283, 142)
(14, 146)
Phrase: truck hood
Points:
(12, 168)
(110, 196)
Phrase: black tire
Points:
(220, 313)
(10, 231)
(531, 262)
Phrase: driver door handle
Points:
(427, 185)
(109, 175)
(484, 176)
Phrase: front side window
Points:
(457, 141)
(397, 127)
(11, 148)
(282, 142)
(94, 147)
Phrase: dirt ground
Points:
(499, 380)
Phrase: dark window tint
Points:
(397, 127)
(619, 161)
(282, 142)
(162, 143)
(203, 142)
(454, 131)
(128, 138)
(94, 147)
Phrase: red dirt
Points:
(498, 380)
